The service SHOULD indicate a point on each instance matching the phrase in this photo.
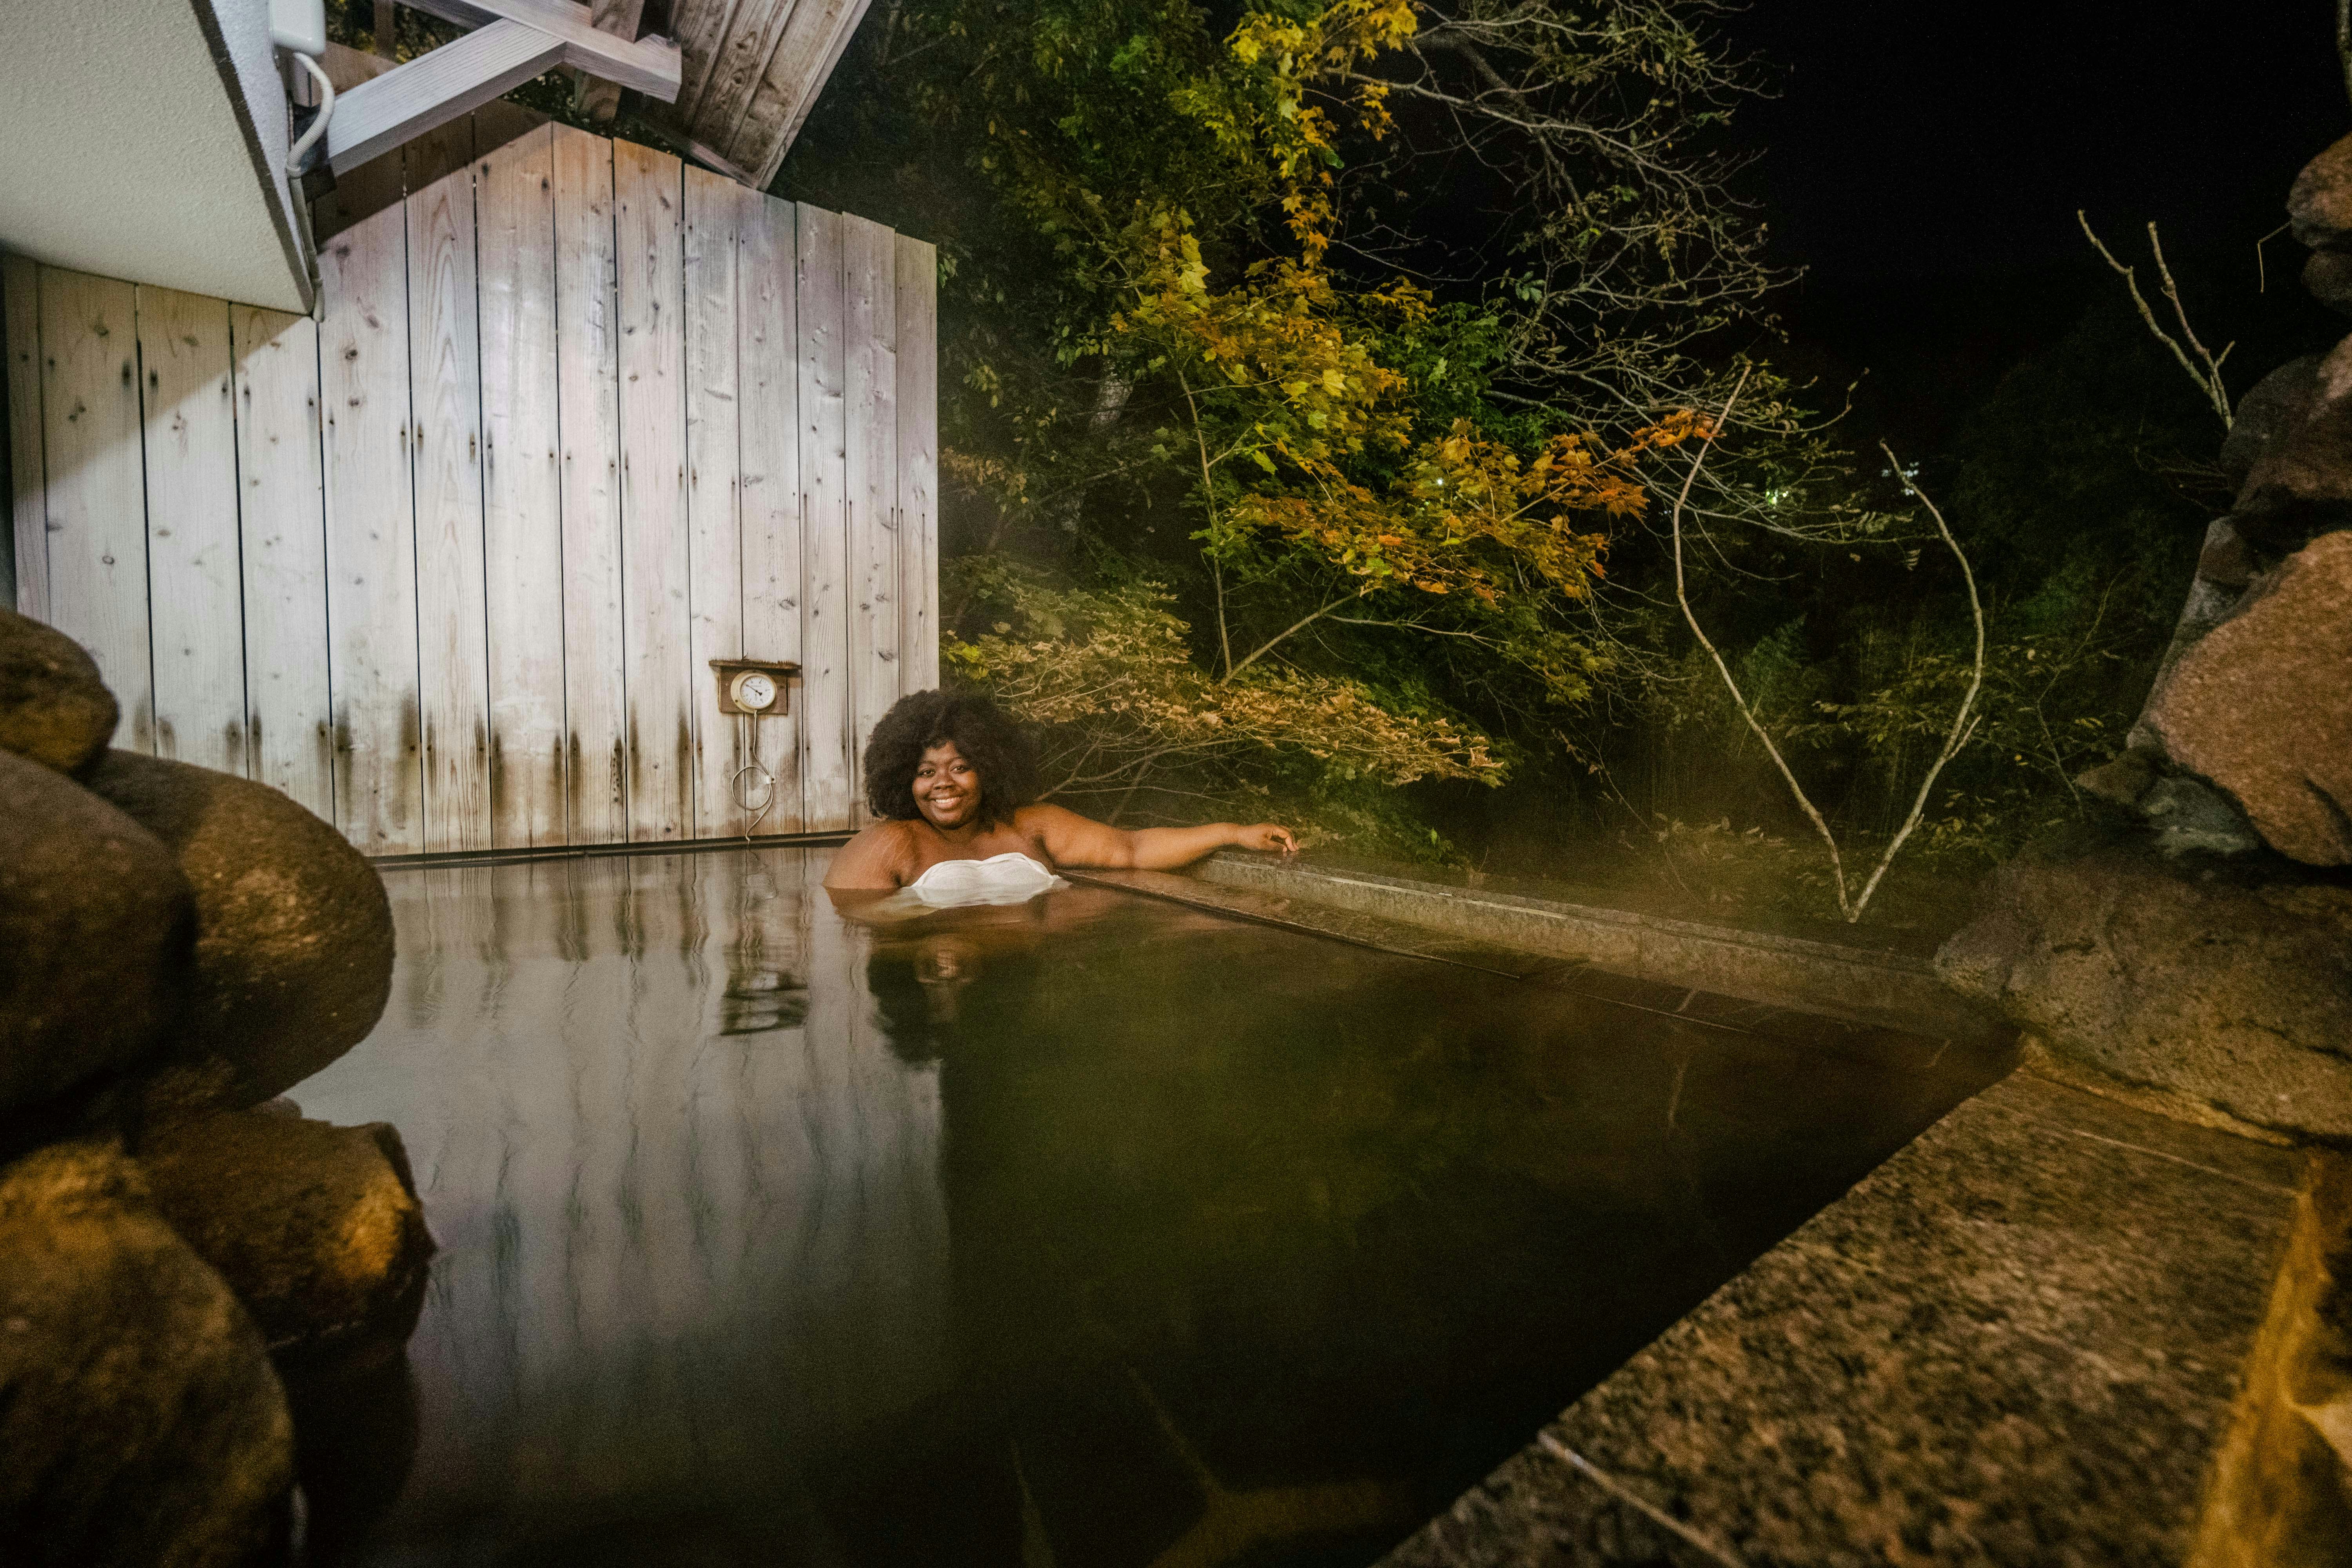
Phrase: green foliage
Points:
(1170, 354)
(2084, 485)
(1106, 674)
(2045, 722)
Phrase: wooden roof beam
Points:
(409, 100)
(648, 65)
(600, 98)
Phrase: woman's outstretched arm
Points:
(1074, 840)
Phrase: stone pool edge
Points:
(1682, 993)
(2025, 1338)
(1864, 985)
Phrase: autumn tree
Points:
(1229, 345)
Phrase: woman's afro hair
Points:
(982, 731)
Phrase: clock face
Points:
(755, 691)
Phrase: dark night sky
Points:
(1926, 162)
(1961, 137)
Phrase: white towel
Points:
(1011, 877)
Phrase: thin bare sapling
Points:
(2205, 370)
(1851, 903)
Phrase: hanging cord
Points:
(735, 781)
(298, 154)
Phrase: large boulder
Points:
(2209, 984)
(2224, 567)
(2319, 203)
(2328, 278)
(96, 923)
(2270, 407)
(140, 1419)
(293, 933)
(53, 707)
(2299, 482)
(2262, 704)
(316, 1227)
(356, 1438)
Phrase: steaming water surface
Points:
(1095, 1231)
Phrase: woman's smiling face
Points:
(947, 787)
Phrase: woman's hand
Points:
(1265, 836)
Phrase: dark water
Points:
(1092, 1233)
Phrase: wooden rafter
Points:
(600, 98)
(649, 65)
(406, 102)
(513, 41)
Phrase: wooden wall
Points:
(447, 563)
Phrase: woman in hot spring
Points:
(954, 783)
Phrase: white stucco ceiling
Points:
(127, 149)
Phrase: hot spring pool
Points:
(1096, 1232)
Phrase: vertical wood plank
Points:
(20, 321)
(798, 61)
(522, 515)
(648, 187)
(769, 382)
(919, 465)
(700, 43)
(736, 65)
(588, 397)
(371, 518)
(446, 417)
(713, 491)
(826, 769)
(96, 491)
(290, 743)
(870, 386)
(194, 588)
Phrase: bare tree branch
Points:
(1850, 905)
(1209, 499)
(1310, 618)
(2208, 378)
(1962, 725)
(1682, 597)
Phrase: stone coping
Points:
(1859, 985)
(2018, 1341)
(1815, 1034)
(1643, 903)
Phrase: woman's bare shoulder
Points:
(880, 856)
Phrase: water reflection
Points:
(688, 1199)
(1085, 1231)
